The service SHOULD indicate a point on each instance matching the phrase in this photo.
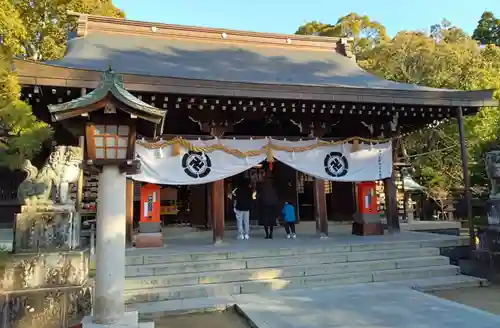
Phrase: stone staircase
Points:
(159, 276)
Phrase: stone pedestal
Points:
(367, 224)
(47, 290)
(47, 228)
(150, 235)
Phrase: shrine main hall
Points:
(233, 104)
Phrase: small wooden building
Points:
(217, 82)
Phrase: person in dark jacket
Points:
(242, 205)
(269, 207)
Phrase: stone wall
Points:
(45, 290)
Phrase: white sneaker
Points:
(240, 237)
(247, 237)
(287, 237)
(294, 236)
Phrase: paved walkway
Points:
(361, 306)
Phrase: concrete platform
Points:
(359, 307)
(201, 242)
(6, 239)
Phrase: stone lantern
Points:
(109, 117)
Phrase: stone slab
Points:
(130, 320)
(179, 250)
(168, 288)
(426, 265)
(149, 227)
(430, 225)
(45, 270)
(147, 240)
(360, 307)
(158, 309)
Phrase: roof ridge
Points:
(87, 23)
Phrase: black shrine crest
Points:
(336, 164)
(196, 164)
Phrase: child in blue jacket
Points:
(290, 219)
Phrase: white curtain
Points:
(329, 162)
(191, 168)
(336, 162)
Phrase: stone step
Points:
(202, 278)
(162, 308)
(258, 286)
(163, 256)
(275, 261)
(443, 283)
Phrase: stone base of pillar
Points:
(129, 320)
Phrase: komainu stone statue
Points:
(51, 185)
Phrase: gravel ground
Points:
(484, 298)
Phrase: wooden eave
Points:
(40, 74)
(109, 90)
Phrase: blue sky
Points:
(284, 16)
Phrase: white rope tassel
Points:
(293, 155)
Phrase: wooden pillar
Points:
(218, 210)
(390, 191)
(129, 210)
(465, 168)
(209, 206)
(320, 207)
(79, 198)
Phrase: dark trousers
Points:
(290, 226)
(268, 228)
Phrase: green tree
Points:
(445, 58)
(35, 30)
(365, 32)
(47, 23)
(488, 29)
(21, 134)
